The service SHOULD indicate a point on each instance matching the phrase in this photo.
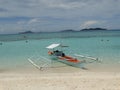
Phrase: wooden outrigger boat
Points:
(59, 55)
(55, 51)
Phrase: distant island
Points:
(93, 29)
(86, 29)
(68, 30)
(26, 32)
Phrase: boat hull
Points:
(67, 60)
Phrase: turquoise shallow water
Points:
(105, 45)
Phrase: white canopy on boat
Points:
(53, 46)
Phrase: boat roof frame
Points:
(52, 46)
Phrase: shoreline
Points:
(98, 68)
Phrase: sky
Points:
(54, 15)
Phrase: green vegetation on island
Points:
(93, 29)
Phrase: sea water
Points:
(104, 45)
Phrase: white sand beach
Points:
(76, 79)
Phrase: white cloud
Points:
(21, 22)
(94, 23)
(89, 23)
(34, 20)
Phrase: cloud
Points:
(34, 20)
(1, 29)
(3, 10)
(89, 23)
(21, 22)
(63, 5)
(60, 8)
(58, 14)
